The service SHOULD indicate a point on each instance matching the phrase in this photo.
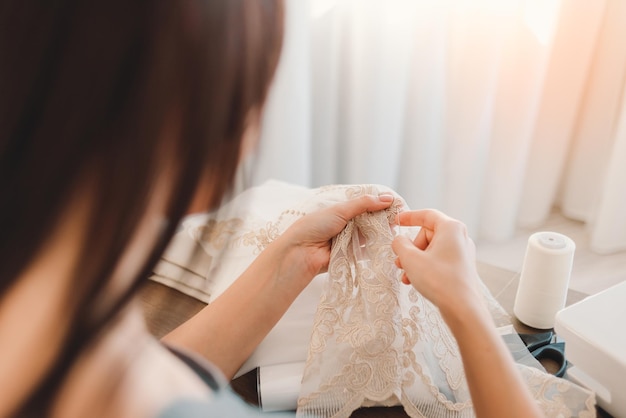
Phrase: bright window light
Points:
(321, 7)
(540, 17)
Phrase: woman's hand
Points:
(244, 314)
(312, 234)
(440, 262)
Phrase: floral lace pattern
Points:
(378, 342)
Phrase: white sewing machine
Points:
(594, 332)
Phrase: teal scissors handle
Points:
(545, 346)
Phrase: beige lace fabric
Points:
(366, 338)
(378, 342)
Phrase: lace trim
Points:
(377, 342)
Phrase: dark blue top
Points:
(224, 403)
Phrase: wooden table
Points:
(166, 308)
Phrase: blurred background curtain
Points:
(496, 112)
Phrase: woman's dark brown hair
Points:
(86, 90)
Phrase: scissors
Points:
(547, 347)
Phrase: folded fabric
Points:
(366, 339)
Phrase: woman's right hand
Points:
(440, 262)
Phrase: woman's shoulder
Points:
(223, 401)
(225, 404)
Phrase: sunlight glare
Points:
(320, 7)
(541, 18)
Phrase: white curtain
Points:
(494, 111)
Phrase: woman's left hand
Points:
(313, 233)
(264, 292)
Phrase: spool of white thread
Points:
(544, 279)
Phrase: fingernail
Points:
(385, 197)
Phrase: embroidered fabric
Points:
(378, 342)
(366, 338)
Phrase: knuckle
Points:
(458, 225)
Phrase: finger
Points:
(367, 203)
(422, 239)
(405, 279)
(398, 263)
(428, 218)
(404, 249)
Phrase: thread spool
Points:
(544, 279)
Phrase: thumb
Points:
(408, 256)
(403, 247)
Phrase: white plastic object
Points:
(593, 330)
